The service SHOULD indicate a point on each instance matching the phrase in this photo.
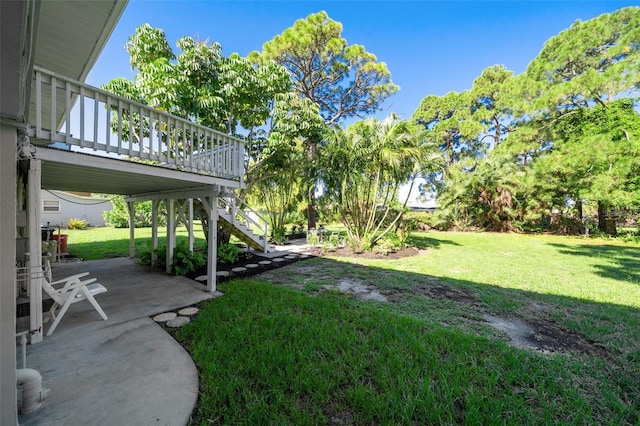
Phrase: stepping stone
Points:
(201, 278)
(165, 317)
(304, 256)
(177, 322)
(222, 274)
(239, 269)
(251, 265)
(265, 262)
(291, 256)
(188, 311)
(279, 260)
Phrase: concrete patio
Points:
(123, 371)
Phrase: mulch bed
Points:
(346, 252)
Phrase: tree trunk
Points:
(311, 208)
(605, 224)
(224, 235)
(579, 209)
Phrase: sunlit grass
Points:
(597, 270)
(106, 242)
(269, 354)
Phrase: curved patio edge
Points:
(129, 373)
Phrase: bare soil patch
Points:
(347, 252)
(358, 289)
(460, 295)
(544, 336)
(529, 334)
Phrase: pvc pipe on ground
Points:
(31, 382)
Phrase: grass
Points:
(272, 354)
(106, 242)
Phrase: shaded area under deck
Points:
(126, 370)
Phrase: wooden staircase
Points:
(238, 218)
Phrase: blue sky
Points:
(430, 47)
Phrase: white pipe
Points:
(32, 394)
(23, 344)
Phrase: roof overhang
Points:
(63, 36)
(73, 171)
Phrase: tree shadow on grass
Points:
(423, 242)
(619, 263)
(543, 322)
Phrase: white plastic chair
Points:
(73, 290)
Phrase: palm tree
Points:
(363, 169)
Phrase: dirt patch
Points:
(544, 336)
(460, 295)
(346, 252)
(534, 335)
(358, 289)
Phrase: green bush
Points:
(279, 235)
(312, 237)
(422, 220)
(118, 217)
(333, 243)
(186, 261)
(228, 253)
(144, 256)
(390, 243)
(75, 223)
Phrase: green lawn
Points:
(101, 243)
(272, 354)
(282, 349)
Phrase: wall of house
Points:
(8, 408)
(89, 208)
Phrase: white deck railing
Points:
(92, 118)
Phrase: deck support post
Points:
(190, 224)
(154, 231)
(211, 204)
(131, 207)
(34, 208)
(171, 232)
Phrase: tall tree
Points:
(596, 156)
(446, 119)
(591, 63)
(364, 166)
(343, 80)
(491, 96)
(202, 85)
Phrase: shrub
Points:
(75, 223)
(312, 237)
(186, 261)
(228, 253)
(144, 257)
(422, 220)
(390, 243)
(279, 235)
(118, 217)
